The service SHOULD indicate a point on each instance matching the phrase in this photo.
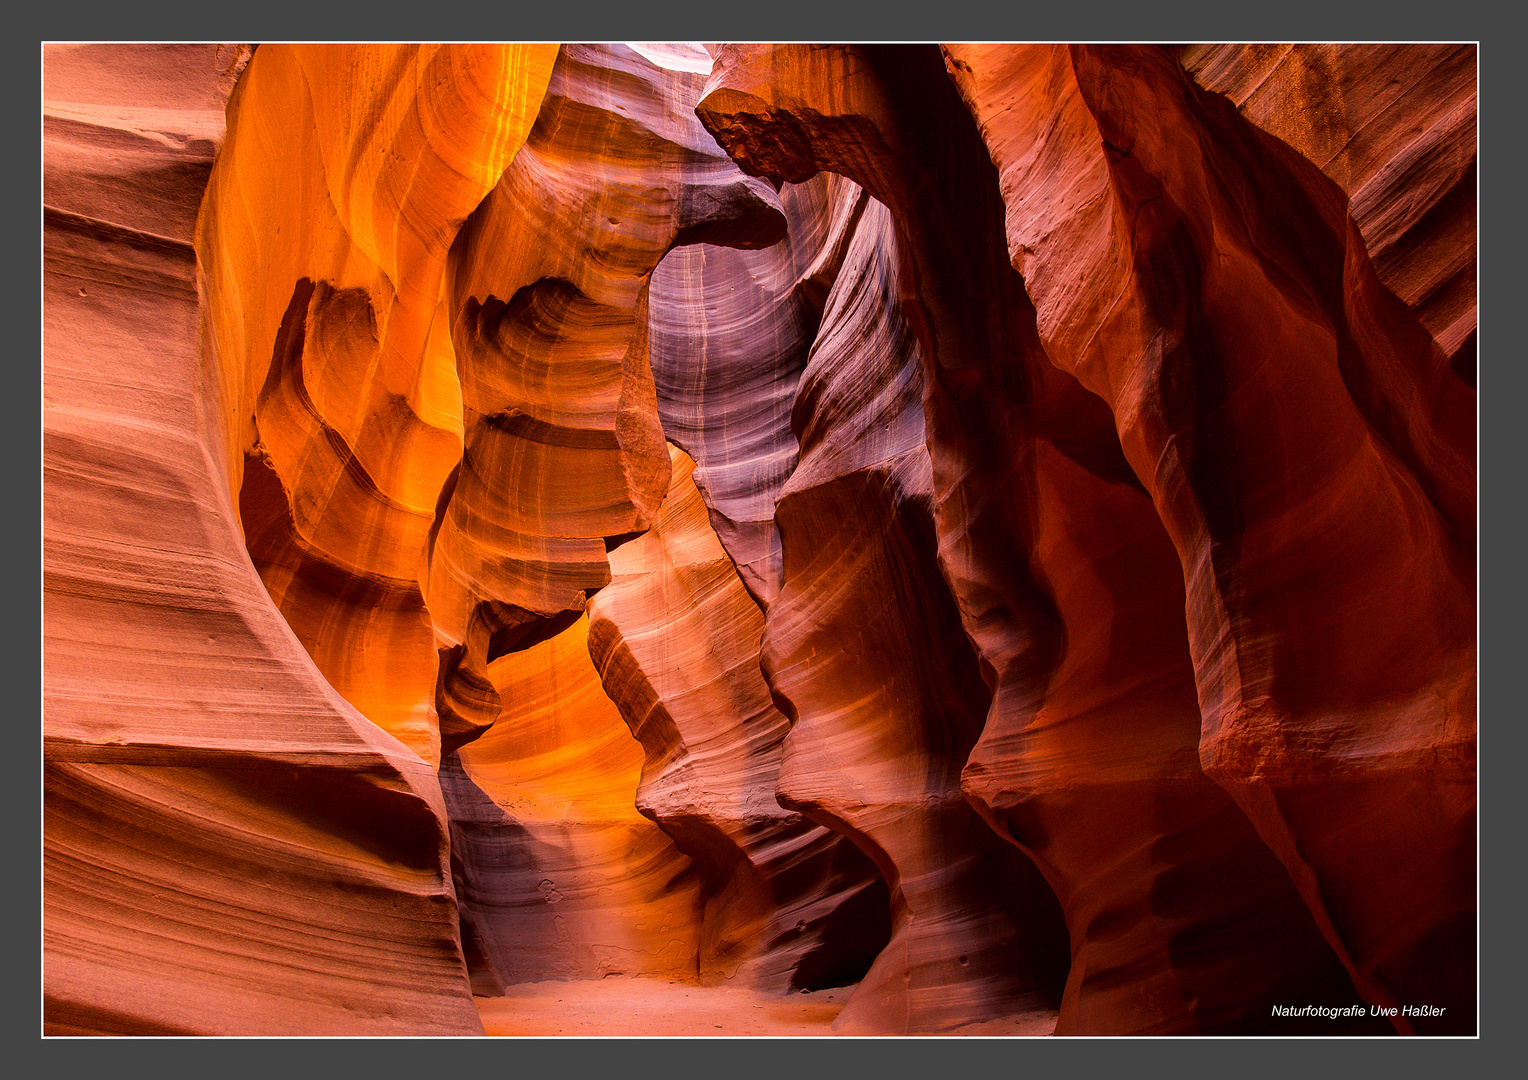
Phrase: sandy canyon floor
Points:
(627, 1007)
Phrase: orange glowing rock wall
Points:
(323, 248)
(992, 524)
(558, 875)
(230, 847)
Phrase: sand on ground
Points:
(625, 1007)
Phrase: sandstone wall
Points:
(993, 525)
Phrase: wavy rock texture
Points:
(1394, 126)
(564, 452)
(730, 333)
(1089, 754)
(975, 929)
(1150, 952)
(675, 636)
(228, 846)
(862, 647)
(564, 457)
(346, 177)
(558, 875)
(995, 523)
(1307, 447)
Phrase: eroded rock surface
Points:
(558, 875)
(564, 450)
(992, 524)
(1307, 448)
(1394, 126)
(564, 457)
(864, 650)
(730, 333)
(229, 847)
(347, 173)
(788, 111)
(788, 904)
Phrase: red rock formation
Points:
(864, 651)
(228, 846)
(730, 332)
(563, 446)
(564, 456)
(1077, 546)
(788, 904)
(971, 936)
(540, 308)
(347, 174)
(1308, 450)
(791, 110)
(1394, 126)
(558, 875)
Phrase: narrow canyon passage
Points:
(735, 540)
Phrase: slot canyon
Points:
(727, 540)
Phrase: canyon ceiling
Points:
(991, 525)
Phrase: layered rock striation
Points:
(557, 873)
(992, 525)
(229, 846)
(563, 448)
(1314, 476)
(730, 331)
(1394, 127)
(788, 904)
(564, 457)
(323, 248)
